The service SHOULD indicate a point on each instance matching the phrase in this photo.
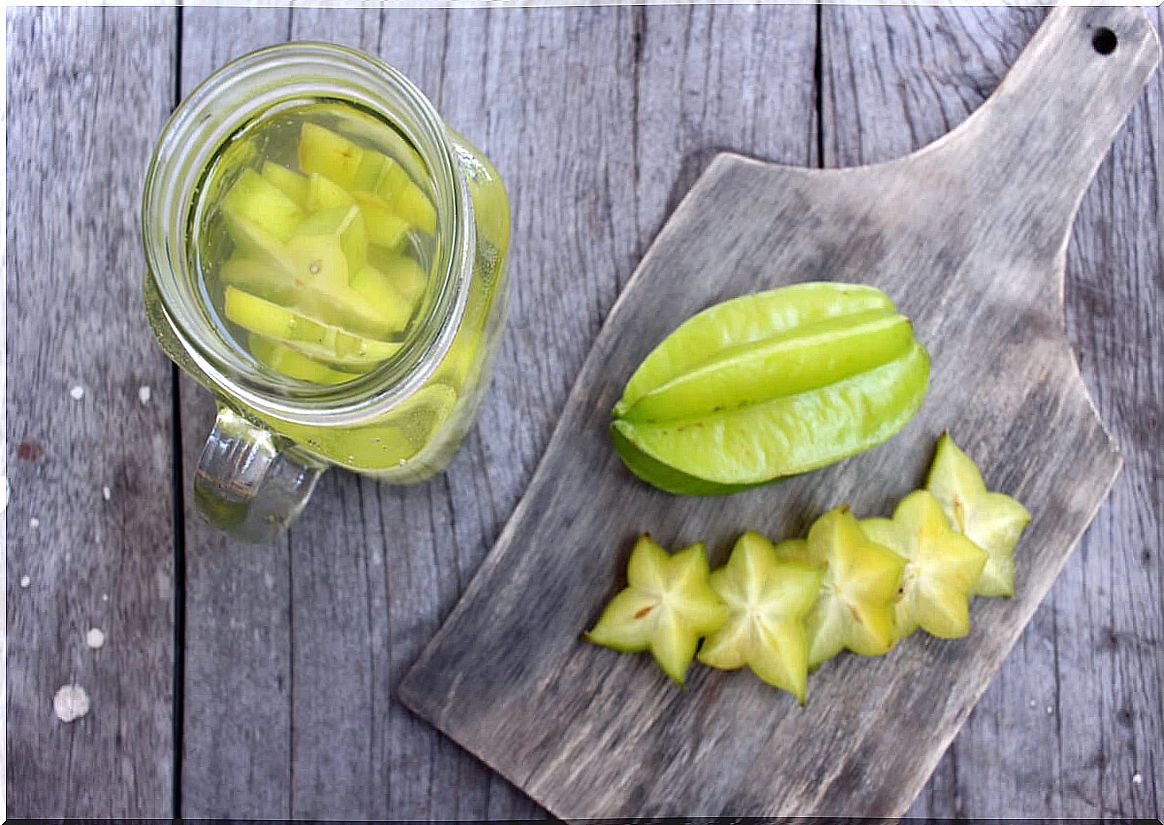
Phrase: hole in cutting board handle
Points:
(1104, 40)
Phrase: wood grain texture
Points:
(1084, 677)
(237, 733)
(969, 236)
(88, 91)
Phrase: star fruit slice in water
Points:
(855, 605)
(666, 607)
(767, 600)
(942, 566)
(993, 521)
(323, 342)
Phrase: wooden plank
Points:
(402, 553)
(1085, 679)
(237, 731)
(90, 522)
(372, 569)
(588, 733)
(1106, 624)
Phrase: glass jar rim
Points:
(243, 90)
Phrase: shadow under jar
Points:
(327, 257)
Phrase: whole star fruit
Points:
(769, 385)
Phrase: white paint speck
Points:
(268, 580)
(34, 522)
(105, 494)
(95, 638)
(25, 581)
(70, 703)
(1137, 779)
(1050, 710)
(104, 597)
(1033, 703)
(78, 392)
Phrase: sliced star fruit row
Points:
(781, 610)
(770, 385)
(320, 264)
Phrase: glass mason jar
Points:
(401, 413)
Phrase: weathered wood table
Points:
(259, 681)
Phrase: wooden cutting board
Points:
(969, 237)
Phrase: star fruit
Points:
(991, 520)
(767, 600)
(667, 606)
(941, 570)
(855, 605)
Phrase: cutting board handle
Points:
(1032, 148)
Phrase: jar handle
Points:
(248, 487)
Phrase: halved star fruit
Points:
(767, 601)
(941, 568)
(993, 521)
(666, 607)
(855, 606)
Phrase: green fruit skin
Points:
(743, 320)
(793, 434)
(667, 478)
(807, 358)
(769, 385)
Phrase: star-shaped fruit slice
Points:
(941, 570)
(667, 606)
(991, 520)
(767, 600)
(854, 608)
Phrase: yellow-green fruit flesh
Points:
(322, 341)
(767, 600)
(991, 520)
(941, 567)
(385, 227)
(295, 364)
(326, 153)
(323, 193)
(855, 606)
(290, 183)
(255, 201)
(666, 607)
